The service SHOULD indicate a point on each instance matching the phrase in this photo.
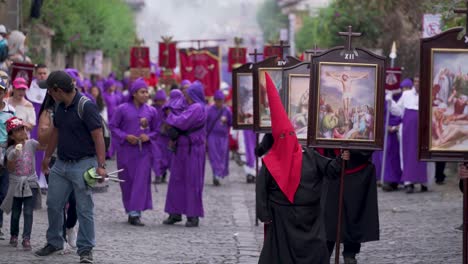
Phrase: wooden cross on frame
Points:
(349, 34)
(281, 46)
(255, 54)
(465, 12)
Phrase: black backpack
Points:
(105, 128)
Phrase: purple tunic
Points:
(161, 154)
(136, 190)
(112, 101)
(414, 171)
(34, 131)
(392, 172)
(185, 189)
(218, 139)
(250, 141)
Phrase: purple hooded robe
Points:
(185, 189)
(135, 160)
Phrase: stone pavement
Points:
(415, 228)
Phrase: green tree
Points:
(82, 25)
(271, 20)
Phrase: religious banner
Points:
(202, 65)
(93, 62)
(392, 79)
(236, 57)
(346, 98)
(139, 62)
(167, 53)
(431, 25)
(23, 70)
(270, 51)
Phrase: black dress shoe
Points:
(387, 187)
(350, 260)
(424, 188)
(157, 180)
(172, 219)
(192, 222)
(216, 182)
(136, 221)
(409, 188)
(250, 178)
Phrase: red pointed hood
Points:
(284, 160)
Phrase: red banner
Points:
(392, 78)
(202, 65)
(23, 70)
(139, 62)
(270, 51)
(167, 55)
(236, 57)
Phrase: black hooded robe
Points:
(360, 209)
(296, 234)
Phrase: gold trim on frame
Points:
(259, 93)
(318, 98)
(238, 83)
(441, 50)
(289, 98)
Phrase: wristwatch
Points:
(102, 165)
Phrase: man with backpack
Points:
(73, 160)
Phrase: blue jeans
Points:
(26, 206)
(64, 178)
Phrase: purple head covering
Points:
(137, 85)
(219, 95)
(109, 83)
(160, 95)
(111, 75)
(196, 93)
(406, 83)
(176, 102)
(185, 82)
(73, 73)
(76, 76)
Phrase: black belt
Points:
(76, 160)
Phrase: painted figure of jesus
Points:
(346, 80)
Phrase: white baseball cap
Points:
(2, 29)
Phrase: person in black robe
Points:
(360, 211)
(288, 192)
(295, 232)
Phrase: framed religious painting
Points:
(243, 103)
(443, 100)
(296, 80)
(23, 70)
(346, 99)
(274, 67)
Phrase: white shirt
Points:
(408, 100)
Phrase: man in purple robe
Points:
(407, 107)
(218, 121)
(36, 96)
(392, 169)
(112, 100)
(133, 127)
(162, 155)
(185, 190)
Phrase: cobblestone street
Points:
(416, 228)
